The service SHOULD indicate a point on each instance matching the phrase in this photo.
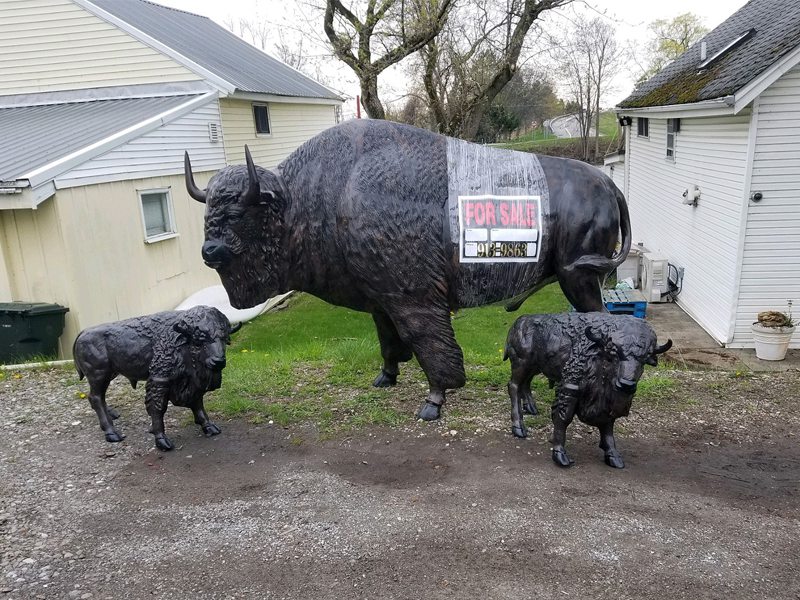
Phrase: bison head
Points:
(207, 331)
(630, 347)
(245, 232)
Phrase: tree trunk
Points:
(369, 97)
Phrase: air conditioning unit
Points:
(655, 274)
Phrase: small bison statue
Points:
(595, 361)
(180, 354)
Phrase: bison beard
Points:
(361, 216)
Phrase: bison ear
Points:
(594, 336)
(235, 328)
(182, 327)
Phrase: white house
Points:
(723, 121)
(99, 99)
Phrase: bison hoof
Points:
(429, 412)
(519, 432)
(211, 429)
(561, 458)
(529, 408)
(164, 443)
(385, 379)
(615, 460)
(114, 436)
(112, 412)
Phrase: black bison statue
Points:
(179, 354)
(409, 225)
(595, 361)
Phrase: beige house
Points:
(98, 102)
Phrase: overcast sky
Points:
(630, 16)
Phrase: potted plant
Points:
(772, 332)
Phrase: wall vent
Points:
(213, 133)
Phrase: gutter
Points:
(717, 106)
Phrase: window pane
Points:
(156, 213)
(642, 127)
(261, 117)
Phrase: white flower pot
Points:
(771, 342)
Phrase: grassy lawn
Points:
(542, 142)
(314, 362)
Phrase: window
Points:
(261, 117)
(642, 127)
(159, 223)
(673, 127)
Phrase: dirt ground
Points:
(707, 506)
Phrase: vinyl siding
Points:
(771, 258)
(711, 153)
(85, 249)
(291, 125)
(51, 45)
(157, 153)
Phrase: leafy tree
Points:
(670, 39)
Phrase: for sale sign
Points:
(499, 228)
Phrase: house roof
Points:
(214, 48)
(37, 136)
(777, 33)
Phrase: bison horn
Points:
(596, 338)
(235, 328)
(253, 194)
(664, 348)
(194, 191)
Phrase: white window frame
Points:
(646, 121)
(269, 119)
(672, 135)
(173, 230)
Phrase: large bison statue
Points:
(409, 225)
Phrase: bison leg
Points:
(393, 350)
(156, 400)
(97, 398)
(582, 288)
(612, 456)
(528, 403)
(201, 418)
(516, 387)
(562, 412)
(424, 325)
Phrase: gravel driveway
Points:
(707, 506)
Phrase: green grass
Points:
(314, 362)
(541, 142)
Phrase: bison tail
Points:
(603, 264)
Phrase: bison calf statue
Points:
(409, 225)
(179, 354)
(595, 361)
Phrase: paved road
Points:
(566, 126)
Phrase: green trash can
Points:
(29, 329)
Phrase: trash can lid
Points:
(32, 308)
